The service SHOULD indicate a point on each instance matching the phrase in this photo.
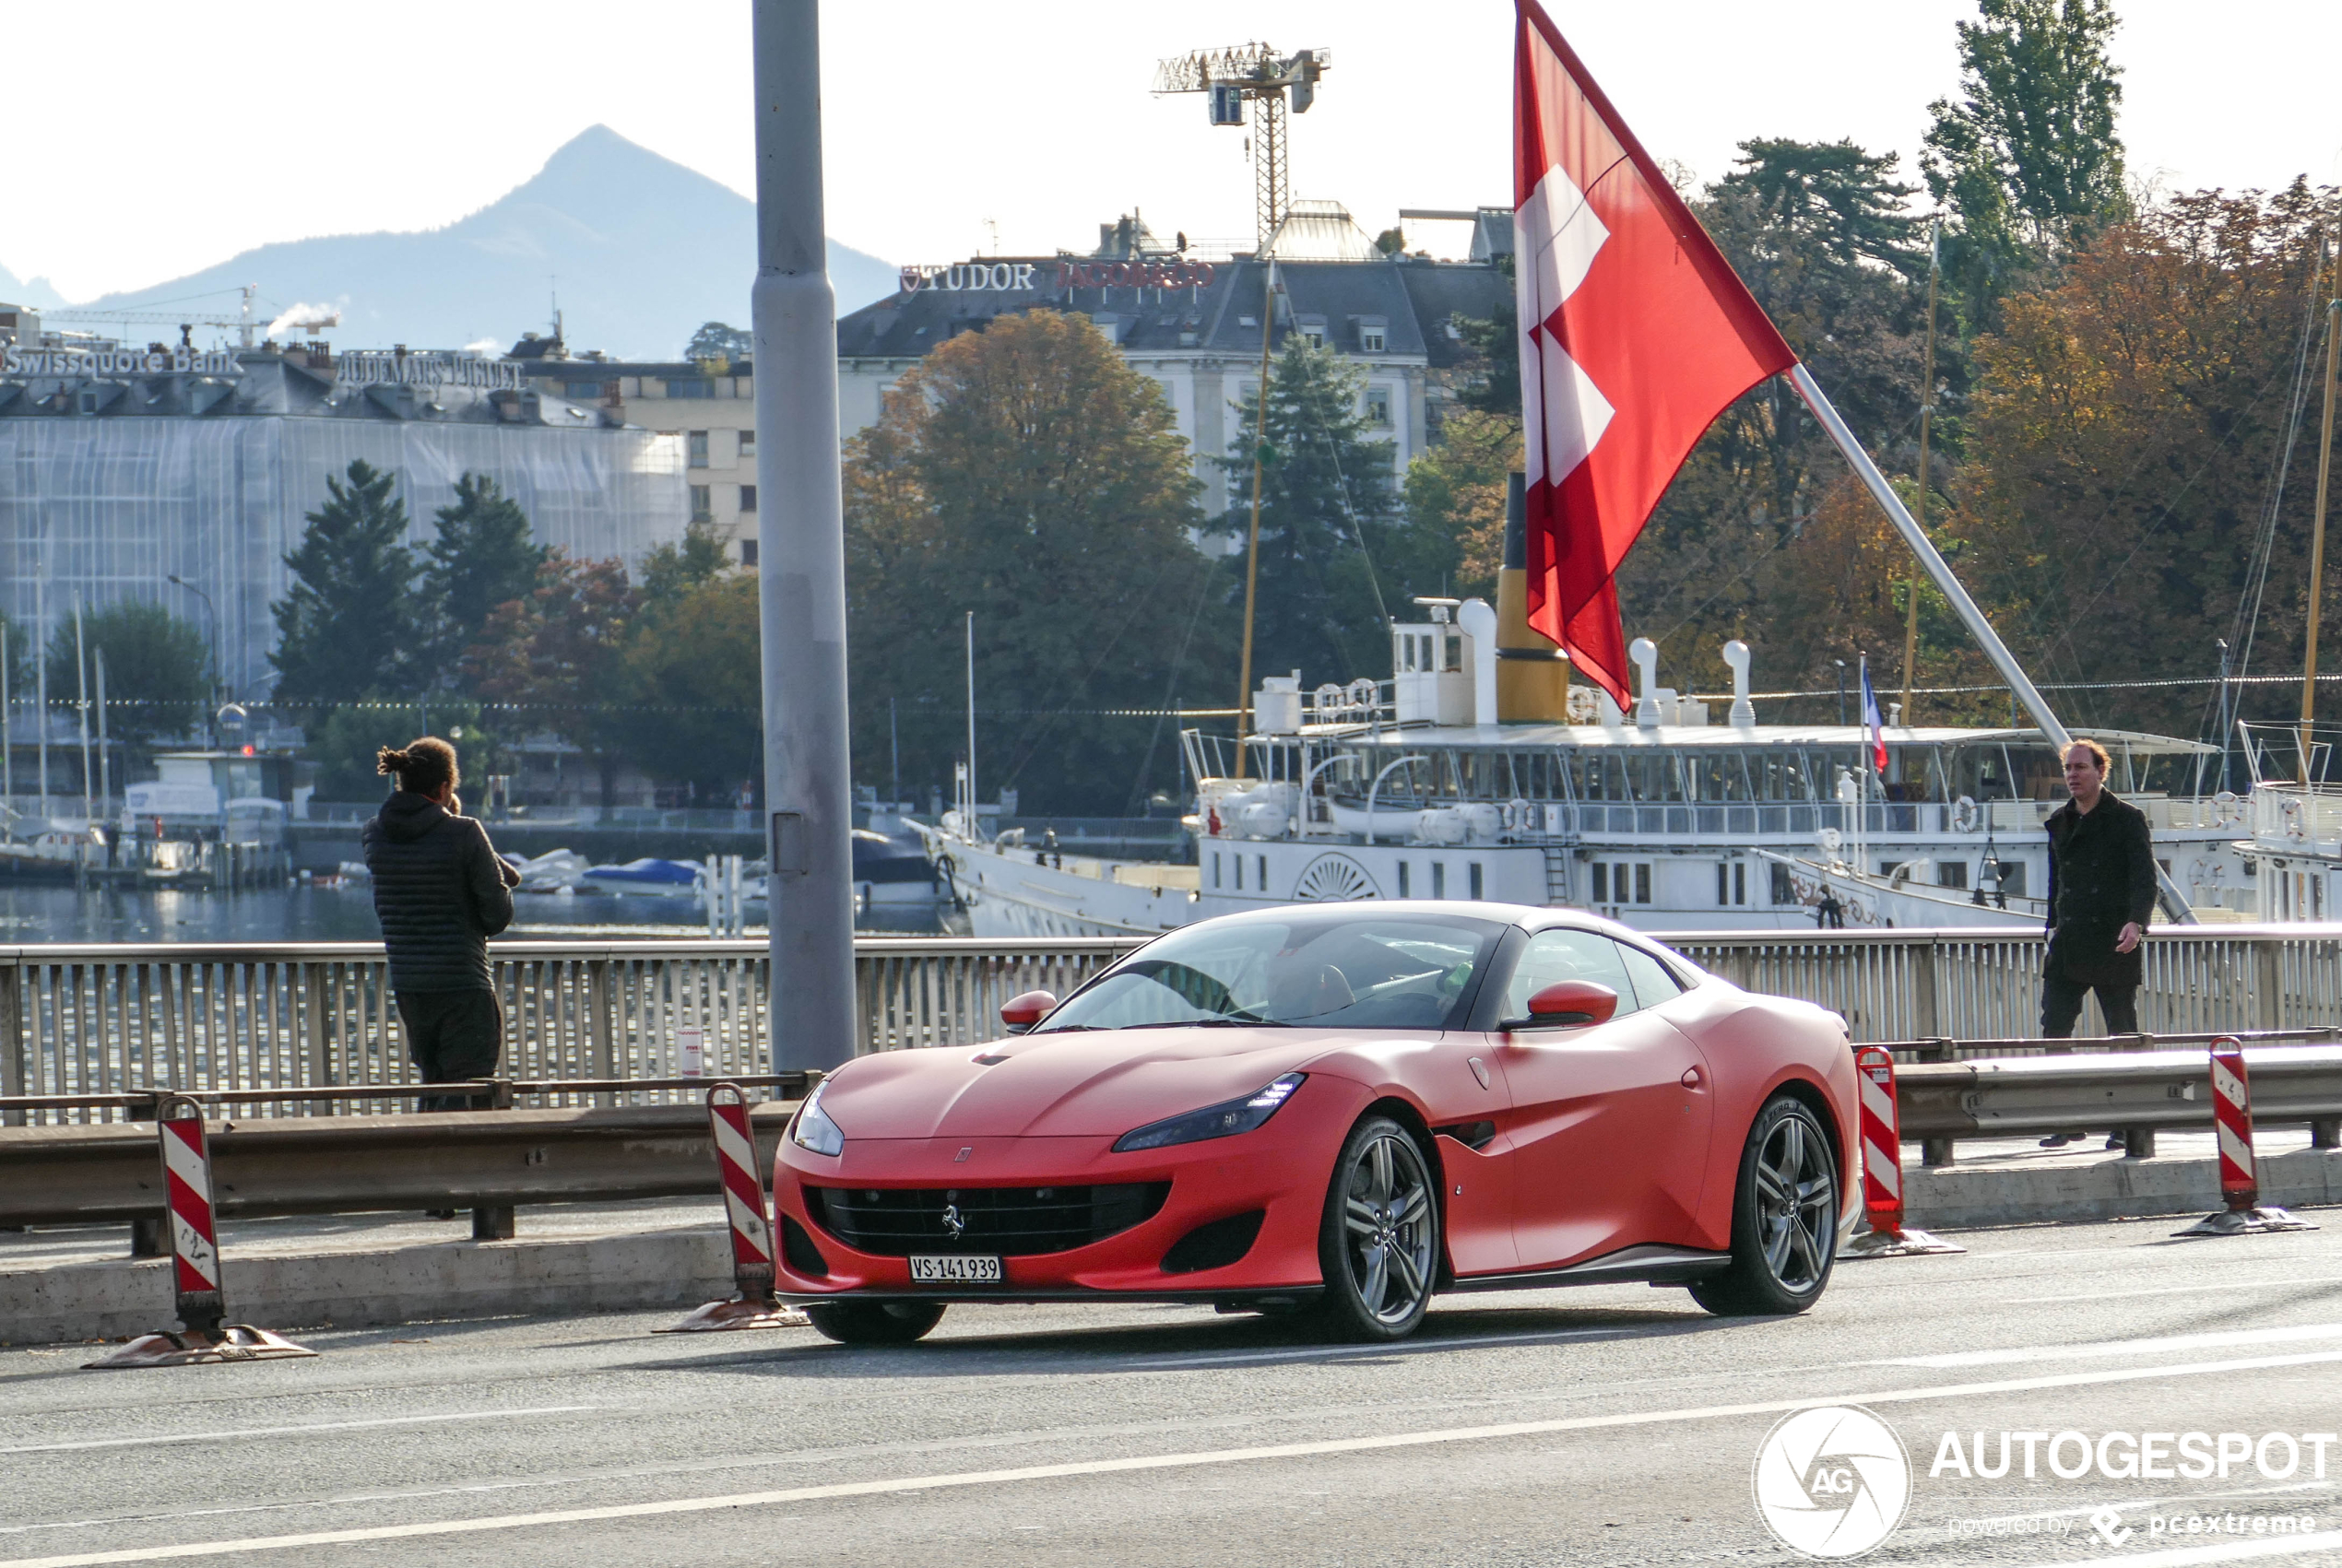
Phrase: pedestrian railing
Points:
(105, 1019)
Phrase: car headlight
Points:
(1225, 1120)
(814, 1130)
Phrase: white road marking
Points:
(2174, 1291)
(2124, 1347)
(2177, 1557)
(283, 1430)
(900, 1484)
(1324, 1352)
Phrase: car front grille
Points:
(1011, 1221)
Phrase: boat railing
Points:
(2306, 819)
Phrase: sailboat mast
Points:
(2317, 530)
(1926, 413)
(1252, 545)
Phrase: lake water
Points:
(339, 914)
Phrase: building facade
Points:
(184, 479)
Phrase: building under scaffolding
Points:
(120, 469)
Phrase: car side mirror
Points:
(1569, 1004)
(1020, 1013)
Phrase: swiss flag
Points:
(1634, 333)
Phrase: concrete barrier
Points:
(1949, 1196)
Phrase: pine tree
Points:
(348, 627)
(1327, 515)
(483, 557)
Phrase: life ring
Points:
(1965, 815)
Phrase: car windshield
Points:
(1345, 971)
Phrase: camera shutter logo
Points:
(1832, 1482)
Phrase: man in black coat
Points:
(440, 892)
(2101, 890)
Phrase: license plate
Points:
(955, 1270)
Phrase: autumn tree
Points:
(688, 695)
(1028, 474)
(1456, 491)
(2138, 482)
(553, 657)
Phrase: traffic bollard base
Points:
(234, 1343)
(1905, 1243)
(2254, 1221)
(741, 1312)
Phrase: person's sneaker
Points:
(438, 1214)
(2059, 1140)
(2116, 1140)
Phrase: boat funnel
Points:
(1744, 715)
(1532, 673)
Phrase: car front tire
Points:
(1379, 1241)
(874, 1322)
(1784, 1217)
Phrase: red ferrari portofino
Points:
(1338, 1109)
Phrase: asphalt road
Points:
(1613, 1425)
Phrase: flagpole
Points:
(1252, 543)
(1940, 571)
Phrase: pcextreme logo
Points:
(1832, 1482)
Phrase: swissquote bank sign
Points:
(363, 369)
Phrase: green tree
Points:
(2029, 158)
(1329, 514)
(671, 570)
(715, 340)
(689, 693)
(157, 668)
(482, 558)
(1455, 493)
(1491, 377)
(348, 627)
(1028, 474)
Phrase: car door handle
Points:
(1480, 1072)
(1691, 1078)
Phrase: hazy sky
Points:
(158, 137)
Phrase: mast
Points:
(2317, 534)
(1252, 544)
(1926, 412)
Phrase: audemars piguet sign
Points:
(375, 368)
(81, 364)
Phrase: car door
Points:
(1608, 1124)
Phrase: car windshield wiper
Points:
(1220, 1021)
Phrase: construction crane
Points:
(243, 321)
(1255, 74)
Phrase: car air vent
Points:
(1011, 1222)
(1472, 1135)
(1215, 1245)
(987, 1061)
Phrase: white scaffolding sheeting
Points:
(113, 508)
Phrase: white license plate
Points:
(955, 1270)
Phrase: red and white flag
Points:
(1634, 333)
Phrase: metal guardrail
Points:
(497, 1160)
(246, 1017)
(478, 1159)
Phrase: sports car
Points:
(1336, 1110)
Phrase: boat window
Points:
(1478, 882)
(1601, 881)
(1439, 879)
(1331, 971)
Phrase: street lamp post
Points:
(1841, 688)
(211, 642)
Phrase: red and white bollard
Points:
(2239, 1168)
(1882, 1150)
(195, 1261)
(751, 1223)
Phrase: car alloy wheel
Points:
(1796, 1196)
(1380, 1245)
(1784, 1217)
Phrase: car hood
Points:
(1066, 1085)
